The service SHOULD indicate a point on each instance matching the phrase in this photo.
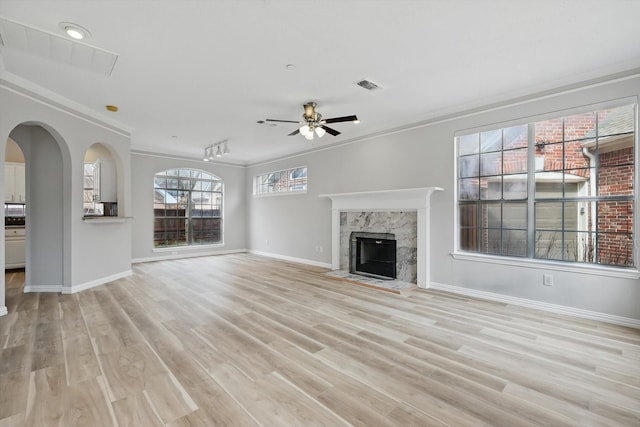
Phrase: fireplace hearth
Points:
(373, 254)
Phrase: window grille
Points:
(560, 189)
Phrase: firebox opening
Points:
(373, 254)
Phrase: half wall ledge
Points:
(409, 199)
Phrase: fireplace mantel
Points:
(410, 199)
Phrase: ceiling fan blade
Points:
(281, 121)
(295, 132)
(342, 119)
(331, 131)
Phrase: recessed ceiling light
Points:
(290, 67)
(75, 31)
(112, 108)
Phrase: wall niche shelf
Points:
(106, 219)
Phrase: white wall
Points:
(92, 254)
(144, 166)
(294, 225)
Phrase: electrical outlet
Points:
(547, 279)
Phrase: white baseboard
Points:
(544, 306)
(97, 282)
(292, 259)
(187, 255)
(3, 310)
(44, 288)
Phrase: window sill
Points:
(187, 248)
(280, 193)
(623, 273)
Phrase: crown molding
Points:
(58, 102)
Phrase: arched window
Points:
(187, 206)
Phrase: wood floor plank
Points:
(80, 359)
(86, 404)
(216, 407)
(45, 401)
(23, 328)
(244, 340)
(71, 321)
(128, 370)
(12, 421)
(14, 387)
(169, 397)
(135, 411)
(273, 401)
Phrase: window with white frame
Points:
(557, 189)
(283, 181)
(187, 207)
(89, 204)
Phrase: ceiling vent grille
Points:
(56, 48)
(368, 85)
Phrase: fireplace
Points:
(402, 200)
(373, 254)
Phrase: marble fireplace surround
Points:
(403, 200)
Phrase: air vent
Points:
(367, 85)
(57, 48)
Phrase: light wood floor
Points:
(241, 340)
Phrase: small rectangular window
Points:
(283, 181)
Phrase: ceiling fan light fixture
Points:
(309, 136)
(305, 130)
(320, 132)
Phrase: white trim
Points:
(97, 282)
(186, 248)
(45, 288)
(405, 199)
(53, 100)
(3, 310)
(291, 259)
(538, 264)
(148, 152)
(544, 306)
(279, 193)
(186, 255)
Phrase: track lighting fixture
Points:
(218, 149)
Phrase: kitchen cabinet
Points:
(14, 248)
(14, 183)
(104, 181)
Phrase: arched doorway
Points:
(45, 157)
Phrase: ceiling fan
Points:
(312, 122)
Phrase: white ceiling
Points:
(190, 73)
